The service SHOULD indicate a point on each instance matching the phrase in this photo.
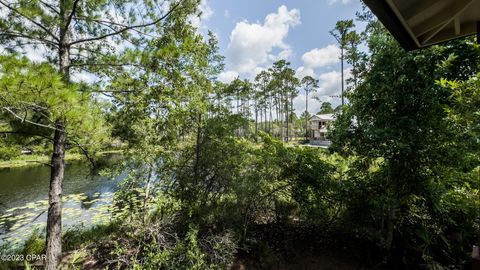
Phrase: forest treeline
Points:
(212, 180)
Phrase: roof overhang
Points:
(421, 23)
(323, 117)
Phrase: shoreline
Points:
(36, 160)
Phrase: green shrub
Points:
(213, 252)
(8, 152)
(35, 244)
(76, 237)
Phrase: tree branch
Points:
(26, 120)
(105, 64)
(21, 35)
(110, 23)
(50, 7)
(29, 19)
(85, 152)
(128, 27)
(69, 20)
(26, 134)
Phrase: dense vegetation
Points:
(213, 180)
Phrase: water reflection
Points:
(24, 199)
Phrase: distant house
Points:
(319, 128)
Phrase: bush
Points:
(8, 152)
(76, 237)
(35, 244)
(212, 252)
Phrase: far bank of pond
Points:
(36, 160)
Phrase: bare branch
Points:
(26, 120)
(112, 91)
(29, 19)
(85, 152)
(105, 64)
(39, 162)
(132, 27)
(50, 7)
(26, 134)
(69, 20)
(110, 24)
(41, 213)
(22, 35)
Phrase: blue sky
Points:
(253, 34)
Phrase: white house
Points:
(319, 127)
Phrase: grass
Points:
(35, 160)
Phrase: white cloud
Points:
(321, 57)
(84, 77)
(206, 10)
(205, 13)
(285, 54)
(303, 71)
(227, 76)
(318, 58)
(343, 2)
(329, 90)
(251, 44)
(330, 83)
(35, 54)
(226, 13)
(313, 104)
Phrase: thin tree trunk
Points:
(247, 116)
(279, 120)
(57, 172)
(354, 71)
(282, 118)
(271, 118)
(265, 117)
(147, 194)
(286, 116)
(281, 107)
(341, 58)
(292, 126)
(261, 120)
(306, 115)
(54, 219)
(197, 150)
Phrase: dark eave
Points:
(388, 18)
(420, 23)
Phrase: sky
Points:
(253, 34)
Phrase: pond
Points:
(87, 199)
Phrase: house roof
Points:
(325, 117)
(417, 24)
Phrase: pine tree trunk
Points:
(265, 117)
(54, 219)
(341, 58)
(271, 118)
(306, 115)
(256, 119)
(277, 111)
(57, 172)
(286, 117)
(147, 194)
(292, 126)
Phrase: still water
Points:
(87, 199)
